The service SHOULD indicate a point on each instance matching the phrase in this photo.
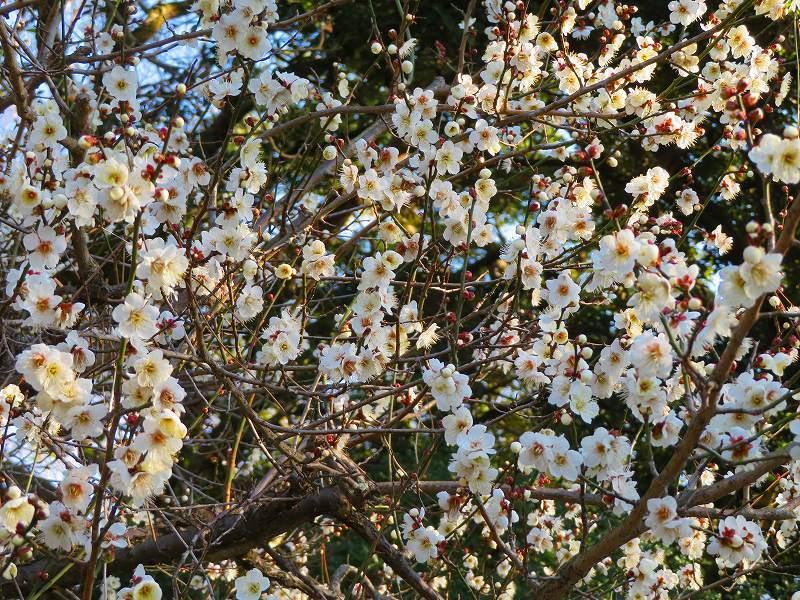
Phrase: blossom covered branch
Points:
(381, 299)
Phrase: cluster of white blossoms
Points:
(739, 541)
(642, 364)
(779, 156)
(253, 585)
(421, 541)
(327, 345)
(142, 176)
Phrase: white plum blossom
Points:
(251, 585)
(737, 541)
(448, 387)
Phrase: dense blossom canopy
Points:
(501, 314)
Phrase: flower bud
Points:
(116, 193)
(648, 254)
(329, 153)
(284, 271)
(752, 254)
(452, 129)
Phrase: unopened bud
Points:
(329, 153)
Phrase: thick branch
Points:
(225, 538)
